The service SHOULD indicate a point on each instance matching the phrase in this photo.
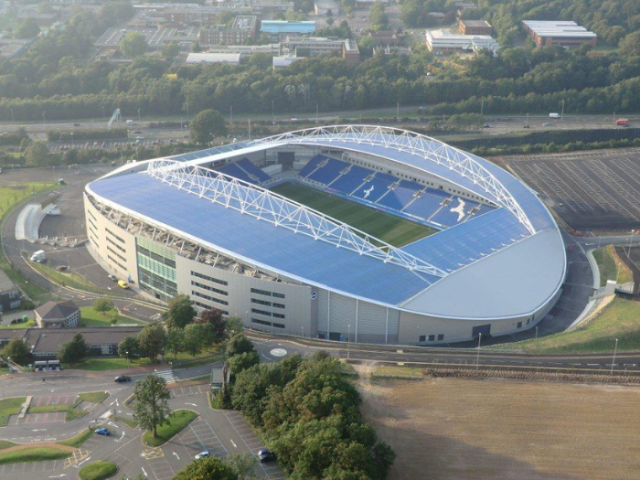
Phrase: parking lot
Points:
(17, 469)
(189, 391)
(270, 470)
(38, 418)
(588, 190)
(48, 400)
(200, 436)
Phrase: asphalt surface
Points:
(219, 431)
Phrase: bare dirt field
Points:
(460, 429)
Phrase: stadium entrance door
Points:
(485, 330)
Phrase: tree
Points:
(206, 125)
(74, 351)
(180, 312)
(193, 339)
(215, 319)
(170, 51)
(234, 326)
(103, 304)
(243, 465)
(18, 350)
(377, 17)
(243, 361)
(129, 348)
(211, 468)
(152, 340)
(37, 154)
(152, 408)
(175, 341)
(28, 29)
(133, 44)
(239, 344)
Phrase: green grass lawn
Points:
(66, 279)
(5, 444)
(18, 326)
(177, 421)
(100, 364)
(129, 422)
(98, 470)
(611, 267)
(95, 397)
(78, 440)
(35, 454)
(620, 319)
(10, 406)
(73, 413)
(91, 318)
(388, 228)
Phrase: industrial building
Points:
(210, 224)
(563, 33)
(443, 42)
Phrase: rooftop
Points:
(6, 285)
(56, 310)
(555, 28)
(282, 26)
(476, 23)
(51, 340)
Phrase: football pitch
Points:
(394, 230)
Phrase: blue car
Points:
(103, 431)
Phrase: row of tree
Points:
(309, 415)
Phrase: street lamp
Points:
(478, 355)
(348, 341)
(103, 114)
(127, 359)
(615, 350)
(12, 119)
(138, 114)
(44, 117)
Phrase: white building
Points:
(443, 41)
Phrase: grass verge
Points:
(65, 279)
(78, 440)
(35, 454)
(177, 421)
(10, 406)
(98, 470)
(398, 371)
(611, 267)
(619, 320)
(94, 397)
(91, 318)
(6, 444)
(98, 364)
(129, 422)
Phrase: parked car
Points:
(123, 284)
(122, 379)
(61, 268)
(103, 431)
(112, 278)
(265, 455)
(203, 454)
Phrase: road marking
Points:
(192, 404)
(117, 403)
(144, 471)
(176, 455)
(233, 443)
(39, 430)
(58, 476)
(85, 460)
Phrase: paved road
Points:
(221, 432)
(271, 349)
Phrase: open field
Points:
(455, 429)
(617, 320)
(388, 228)
(91, 318)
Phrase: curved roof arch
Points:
(426, 148)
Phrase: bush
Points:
(98, 470)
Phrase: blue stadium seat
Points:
(311, 166)
(328, 172)
(251, 169)
(351, 180)
(235, 171)
(375, 188)
(427, 204)
(397, 198)
(454, 213)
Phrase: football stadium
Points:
(351, 233)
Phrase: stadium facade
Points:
(207, 224)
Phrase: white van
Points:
(39, 256)
(130, 122)
(554, 115)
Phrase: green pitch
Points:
(394, 230)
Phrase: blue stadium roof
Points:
(521, 217)
(259, 242)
